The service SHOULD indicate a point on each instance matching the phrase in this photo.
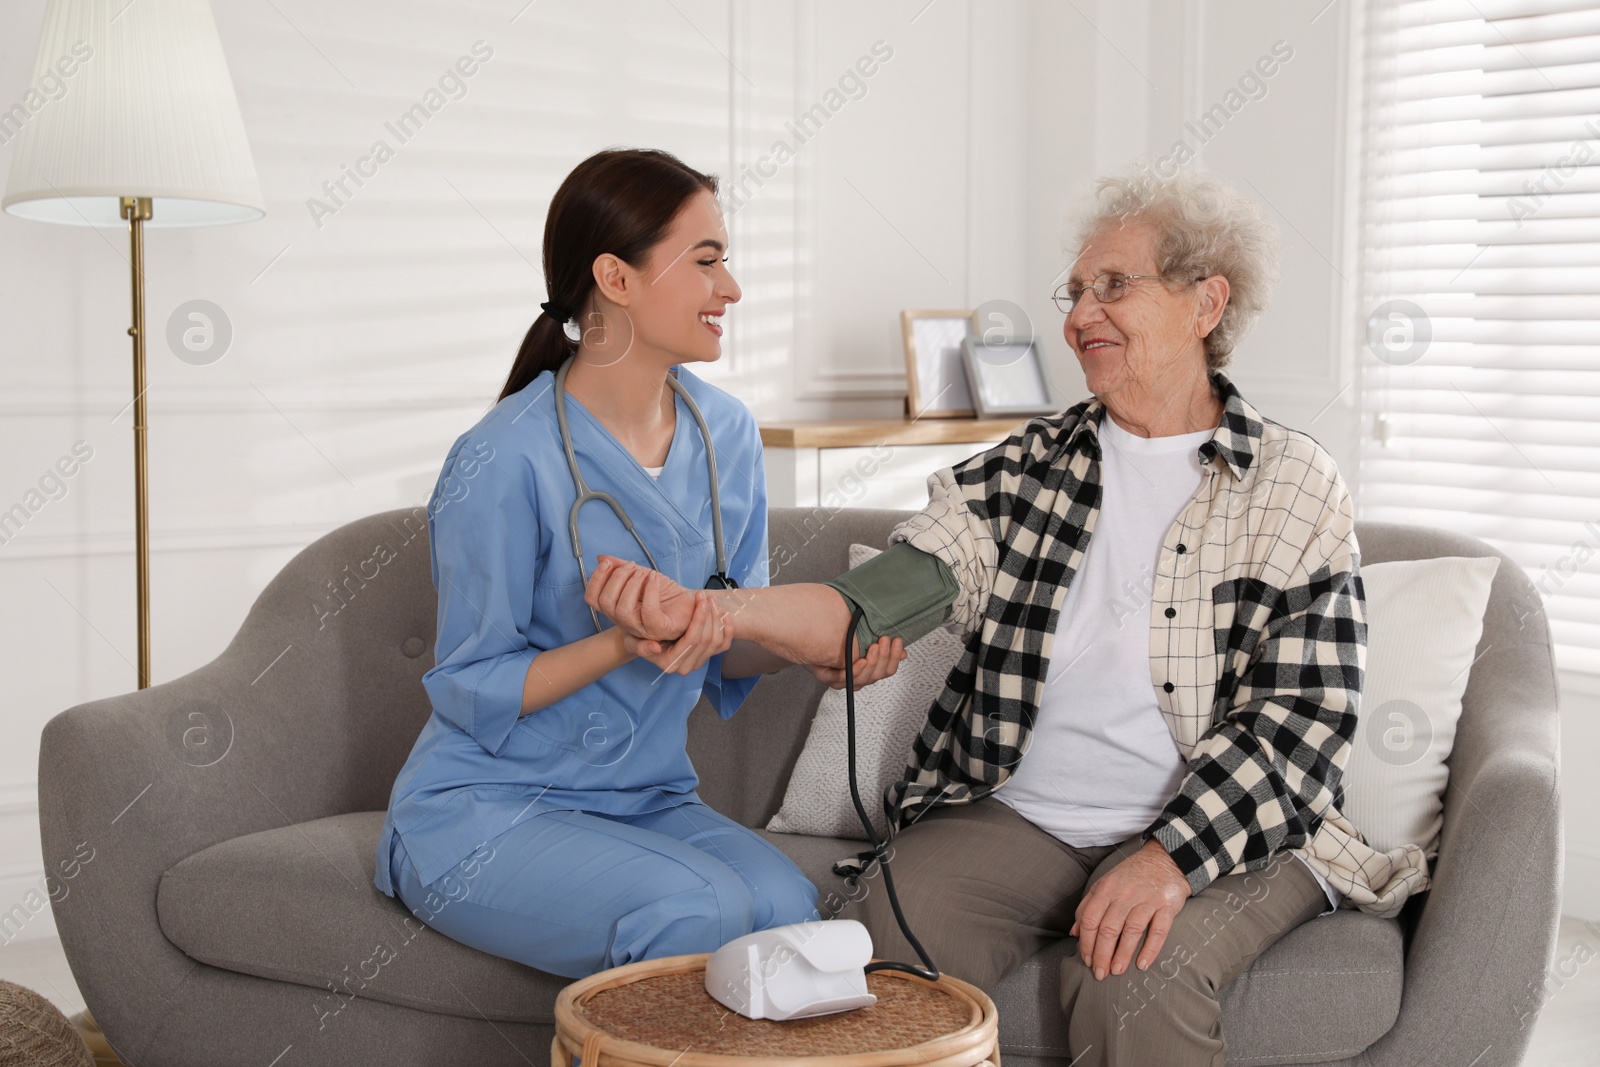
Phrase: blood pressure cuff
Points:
(903, 591)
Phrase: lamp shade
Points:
(130, 99)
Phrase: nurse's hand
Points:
(640, 600)
(882, 659)
(709, 632)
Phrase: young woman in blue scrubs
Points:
(548, 812)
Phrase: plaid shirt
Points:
(1257, 642)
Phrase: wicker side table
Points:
(657, 1013)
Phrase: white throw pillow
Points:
(889, 715)
(1424, 619)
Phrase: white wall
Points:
(1580, 794)
(363, 346)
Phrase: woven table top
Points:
(674, 1011)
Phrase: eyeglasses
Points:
(1108, 288)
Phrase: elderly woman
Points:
(1143, 743)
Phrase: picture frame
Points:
(1007, 378)
(936, 382)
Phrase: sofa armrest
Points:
(308, 712)
(1487, 931)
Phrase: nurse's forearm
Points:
(802, 622)
(560, 672)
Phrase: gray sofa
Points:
(228, 915)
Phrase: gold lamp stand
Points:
(137, 210)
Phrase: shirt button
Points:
(1183, 548)
(1171, 612)
(1167, 686)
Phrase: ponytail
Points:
(544, 348)
(620, 201)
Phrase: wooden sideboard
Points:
(868, 463)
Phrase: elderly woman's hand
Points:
(709, 632)
(1145, 890)
(643, 602)
(882, 659)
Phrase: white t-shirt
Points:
(654, 472)
(1101, 763)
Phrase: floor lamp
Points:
(131, 119)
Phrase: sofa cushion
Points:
(298, 904)
(1324, 991)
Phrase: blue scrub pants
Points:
(575, 892)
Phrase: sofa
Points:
(228, 914)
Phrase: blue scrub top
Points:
(509, 588)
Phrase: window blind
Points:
(1479, 286)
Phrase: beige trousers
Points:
(983, 889)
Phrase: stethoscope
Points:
(719, 580)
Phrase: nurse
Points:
(547, 812)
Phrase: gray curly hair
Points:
(1202, 227)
